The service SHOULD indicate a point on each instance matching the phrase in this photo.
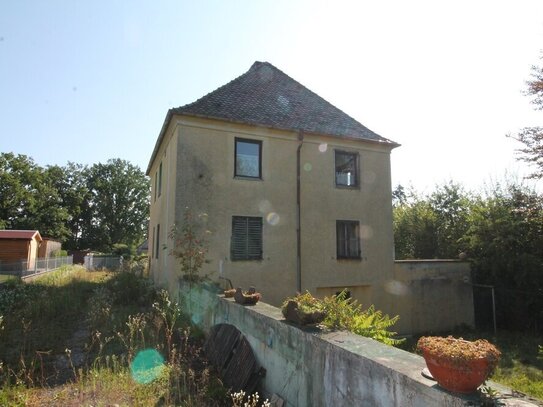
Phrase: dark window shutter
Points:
(246, 242)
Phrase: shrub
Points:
(345, 313)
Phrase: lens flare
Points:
(273, 218)
(147, 366)
(396, 287)
(308, 167)
(366, 232)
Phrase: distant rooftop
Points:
(19, 234)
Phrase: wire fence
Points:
(101, 262)
(24, 268)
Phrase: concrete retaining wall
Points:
(312, 368)
(435, 295)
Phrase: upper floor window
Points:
(246, 243)
(346, 169)
(348, 239)
(160, 179)
(248, 158)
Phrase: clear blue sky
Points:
(86, 81)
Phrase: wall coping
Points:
(431, 261)
(264, 325)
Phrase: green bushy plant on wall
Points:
(343, 312)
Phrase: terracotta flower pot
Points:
(457, 365)
(250, 297)
(229, 293)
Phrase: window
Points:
(246, 242)
(348, 241)
(156, 183)
(346, 169)
(160, 179)
(157, 240)
(153, 244)
(248, 158)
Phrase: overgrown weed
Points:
(120, 316)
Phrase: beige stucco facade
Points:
(198, 156)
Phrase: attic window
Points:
(346, 169)
(248, 158)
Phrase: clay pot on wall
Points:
(250, 297)
(229, 293)
(458, 365)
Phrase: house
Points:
(18, 246)
(294, 194)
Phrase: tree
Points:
(118, 209)
(532, 137)
(505, 241)
(71, 183)
(428, 227)
(29, 199)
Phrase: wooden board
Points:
(231, 354)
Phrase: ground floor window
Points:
(348, 240)
(246, 241)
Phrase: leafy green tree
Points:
(119, 205)
(505, 241)
(29, 199)
(532, 137)
(415, 230)
(433, 226)
(71, 183)
(451, 206)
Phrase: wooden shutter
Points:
(246, 242)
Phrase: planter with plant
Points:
(459, 365)
(229, 293)
(303, 309)
(250, 297)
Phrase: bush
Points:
(345, 313)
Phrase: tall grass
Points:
(74, 337)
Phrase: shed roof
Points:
(265, 96)
(20, 234)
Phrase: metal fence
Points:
(24, 268)
(99, 262)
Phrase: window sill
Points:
(240, 177)
(349, 259)
(354, 187)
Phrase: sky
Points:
(86, 81)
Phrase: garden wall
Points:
(432, 295)
(312, 368)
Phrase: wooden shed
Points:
(19, 245)
(48, 247)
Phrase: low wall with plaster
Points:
(307, 367)
(436, 295)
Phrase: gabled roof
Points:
(265, 96)
(20, 234)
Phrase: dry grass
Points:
(71, 338)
